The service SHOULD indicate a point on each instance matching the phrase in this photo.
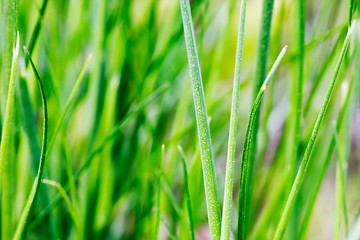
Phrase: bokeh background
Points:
(138, 48)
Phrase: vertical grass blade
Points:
(21, 227)
(157, 217)
(261, 58)
(304, 163)
(187, 191)
(242, 219)
(206, 150)
(6, 155)
(229, 177)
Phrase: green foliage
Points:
(115, 78)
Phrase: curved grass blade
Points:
(207, 155)
(114, 133)
(321, 173)
(67, 106)
(246, 153)
(21, 228)
(72, 210)
(229, 177)
(304, 163)
(6, 150)
(188, 199)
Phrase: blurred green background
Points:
(138, 48)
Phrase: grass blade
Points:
(110, 137)
(72, 210)
(207, 155)
(304, 163)
(35, 188)
(157, 217)
(246, 154)
(67, 106)
(321, 173)
(229, 178)
(188, 199)
(6, 148)
(36, 31)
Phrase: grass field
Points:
(180, 119)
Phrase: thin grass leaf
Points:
(36, 31)
(113, 134)
(304, 163)
(6, 155)
(157, 217)
(234, 117)
(261, 60)
(242, 231)
(172, 235)
(72, 210)
(21, 228)
(67, 106)
(207, 155)
(187, 192)
(341, 199)
(321, 173)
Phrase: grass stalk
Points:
(67, 105)
(304, 163)
(321, 173)
(157, 217)
(242, 220)
(112, 135)
(206, 150)
(261, 58)
(229, 177)
(6, 155)
(21, 228)
(187, 192)
(72, 210)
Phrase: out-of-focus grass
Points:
(135, 96)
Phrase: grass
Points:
(115, 77)
(304, 163)
(207, 155)
(229, 176)
(6, 154)
(243, 218)
(21, 228)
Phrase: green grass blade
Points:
(172, 235)
(242, 219)
(321, 173)
(20, 230)
(6, 155)
(110, 137)
(72, 210)
(157, 217)
(229, 177)
(36, 31)
(207, 155)
(261, 60)
(9, 35)
(67, 106)
(304, 163)
(188, 199)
